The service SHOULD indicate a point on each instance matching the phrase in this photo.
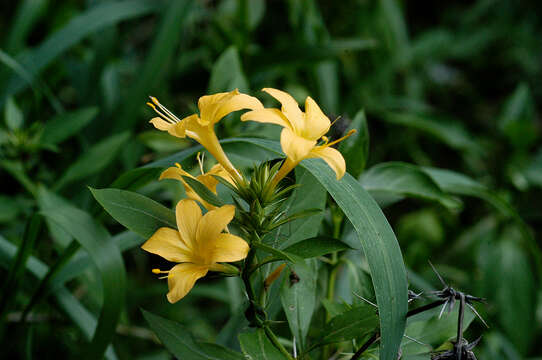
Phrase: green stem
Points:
(273, 338)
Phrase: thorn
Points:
(364, 299)
(417, 341)
(443, 307)
(477, 315)
(438, 275)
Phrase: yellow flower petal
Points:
(215, 107)
(181, 280)
(295, 147)
(270, 116)
(188, 215)
(208, 105)
(168, 244)
(176, 129)
(174, 172)
(317, 123)
(236, 103)
(218, 170)
(290, 107)
(228, 248)
(210, 226)
(332, 157)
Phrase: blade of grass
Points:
(166, 41)
(11, 283)
(97, 242)
(77, 29)
(83, 318)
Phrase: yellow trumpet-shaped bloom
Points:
(302, 130)
(206, 178)
(212, 108)
(198, 246)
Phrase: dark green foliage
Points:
(445, 98)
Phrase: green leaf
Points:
(181, 343)
(65, 125)
(515, 292)
(136, 212)
(278, 253)
(517, 120)
(72, 263)
(174, 18)
(533, 171)
(460, 184)
(375, 234)
(13, 116)
(203, 191)
(227, 73)
(9, 209)
(392, 181)
(256, 346)
(377, 241)
(451, 133)
(381, 250)
(94, 160)
(106, 256)
(397, 33)
(83, 318)
(299, 299)
(355, 149)
(309, 195)
(45, 285)
(427, 328)
(136, 178)
(77, 29)
(316, 246)
(11, 283)
(28, 12)
(352, 324)
(16, 169)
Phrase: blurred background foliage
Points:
(452, 85)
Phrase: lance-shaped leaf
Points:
(256, 346)
(316, 246)
(298, 297)
(393, 181)
(203, 191)
(180, 342)
(349, 325)
(136, 212)
(107, 257)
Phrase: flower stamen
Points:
(348, 134)
(200, 157)
(162, 111)
(158, 271)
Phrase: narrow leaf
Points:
(65, 125)
(136, 212)
(392, 181)
(178, 340)
(203, 191)
(349, 325)
(298, 298)
(97, 242)
(316, 246)
(355, 149)
(256, 346)
(95, 159)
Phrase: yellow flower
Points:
(206, 178)
(199, 245)
(212, 108)
(301, 132)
